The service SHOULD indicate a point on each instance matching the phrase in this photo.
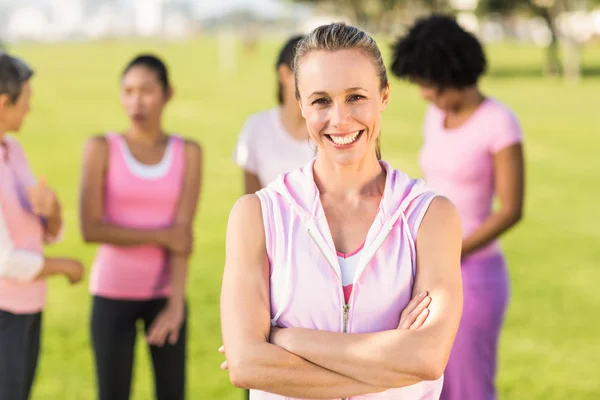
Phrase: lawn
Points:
(550, 348)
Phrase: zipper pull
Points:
(346, 309)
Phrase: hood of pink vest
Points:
(300, 191)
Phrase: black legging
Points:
(19, 350)
(114, 333)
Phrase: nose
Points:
(340, 116)
(135, 100)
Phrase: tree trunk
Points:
(572, 52)
(572, 45)
(553, 65)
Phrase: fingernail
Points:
(423, 294)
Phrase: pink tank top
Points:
(143, 197)
(309, 288)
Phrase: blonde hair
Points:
(340, 36)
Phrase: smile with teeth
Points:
(342, 140)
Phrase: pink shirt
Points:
(265, 149)
(458, 163)
(21, 236)
(144, 197)
(306, 278)
(349, 264)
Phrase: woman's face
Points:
(342, 100)
(13, 114)
(143, 96)
(446, 99)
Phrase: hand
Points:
(179, 239)
(166, 326)
(73, 270)
(415, 313)
(42, 199)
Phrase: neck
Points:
(292, 121)
(472, 98)
(3, 132)
(146, 134)
(366, 177)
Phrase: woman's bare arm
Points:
(509, 185)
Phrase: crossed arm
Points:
(307, 363)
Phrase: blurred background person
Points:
(30, 216)
(139, 195)
(275, 141)
(472, 153)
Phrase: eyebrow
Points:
(352, 89)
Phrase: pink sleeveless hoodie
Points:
(306, 286)
(22, 234)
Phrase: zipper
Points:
(345, 311)
(318, 240)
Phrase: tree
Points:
(550, 11)
(382, 15)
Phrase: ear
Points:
(301, 108)
(281, 73)
(169, 94)
(385, 96)
(4, 101)
(284, 73)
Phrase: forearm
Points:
(385, 358)
(53, 224)
(52, 266)
(179, 272)
(494, 226)
(102, 232)
(274, 370)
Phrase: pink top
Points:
(458, 163)
(21, 236)
(306, 279)
(265, 149)
(144, 197)
(349, 263)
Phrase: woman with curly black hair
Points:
(472, 153)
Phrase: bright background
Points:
(550, 347)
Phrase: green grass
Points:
(550, 348)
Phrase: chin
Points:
(345, 158)
(15, 129)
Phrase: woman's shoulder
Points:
(12, 143)
(14, 148)
(190, 145)
(499, 110)
(247, 210)
(98, 142)
(258, 120)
